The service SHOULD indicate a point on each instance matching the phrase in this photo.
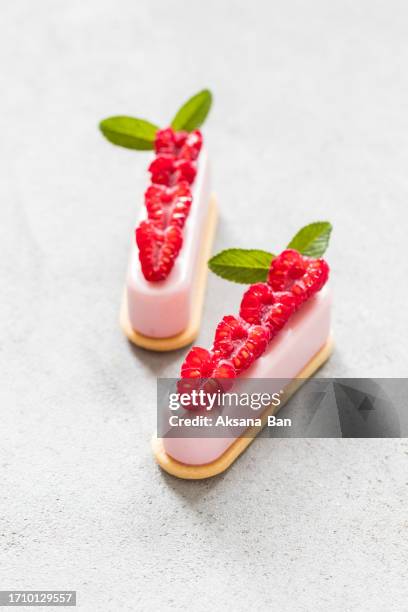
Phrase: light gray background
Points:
(310, 121)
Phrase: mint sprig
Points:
(193, 112)
(133, 133)
(313, 239)
(129, 132)
(249, 266)
(242, 265)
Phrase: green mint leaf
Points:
(193, 113)
(313, 239)
(242, 265)
(129, 132)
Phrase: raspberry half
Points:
(201, 363)
(204, 370)
(165, 141)
(302, 276)
(285, 269)
(167, 170)
(168, 205)
(162, 169)
(261, 305)
(239, 342)
(313, 280)
(192, 146)
(185, 170)
(178, 144)
(158, 249)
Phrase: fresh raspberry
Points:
(178, 144)
(182, 200)
(200, 363)
(261, 305)
(185, 170)
(255, 303)
(167, 170)
(168, 205)
(302, 276)
(280, 311)
(285, 269)
(164, 142)
(169, 142)
(239, 342)
(155, 200)
(162, 169)
(158, 249)
(312, 281)
(197, 364)
(205, 370)
(192, 146)
(180, 139)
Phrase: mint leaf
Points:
(193, 113)
(129, 132)
(242, 265)
(313, 239)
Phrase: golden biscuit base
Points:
(198, 472)
(191, 332)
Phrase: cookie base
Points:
(188, 335)
(198, 472)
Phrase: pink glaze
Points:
(163, 309)
(302, 337)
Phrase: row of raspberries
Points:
(265, 309)
(167, 199)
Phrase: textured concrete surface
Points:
(310, 121)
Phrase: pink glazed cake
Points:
(282, 326)
(285, 357)
(162, 308)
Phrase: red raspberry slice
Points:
(169, 142)
(185, 170)
(168, 205)
(302, 276)
(261, 305)
(192, 146)
(162, 169)
(158, 249)
(197, 364)
(285, 269)
(178, 144)
(239, 342)
(204, 370)
(167, 170)
(200, 363)
(165, 142)
(315, 277)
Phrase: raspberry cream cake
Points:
(173, 241)
(282, 332)
(162, 304)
